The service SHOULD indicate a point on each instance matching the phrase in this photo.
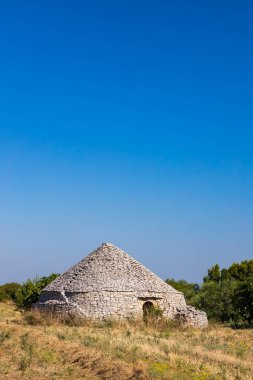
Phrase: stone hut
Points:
(109, 283)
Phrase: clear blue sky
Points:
(125, 122)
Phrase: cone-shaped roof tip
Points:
(108, 245)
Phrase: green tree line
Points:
(226, 295)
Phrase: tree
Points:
(214, 274)
(30, 290)
(241, 271)
(218, 301)
(243, 299)
(225, 275)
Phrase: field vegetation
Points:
(35, 346)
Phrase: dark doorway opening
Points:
(148, 310)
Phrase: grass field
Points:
(32, 347)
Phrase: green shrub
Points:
(8, 291)
(30, 290)
(190, 290)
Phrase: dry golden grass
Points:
(33, 346)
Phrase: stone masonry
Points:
(109, 283)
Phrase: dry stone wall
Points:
(189, 316)
(120, 305)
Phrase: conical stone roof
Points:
(108, 268)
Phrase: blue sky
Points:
(125, 122)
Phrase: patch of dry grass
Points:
(33, 346)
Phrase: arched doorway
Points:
(148, 310)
